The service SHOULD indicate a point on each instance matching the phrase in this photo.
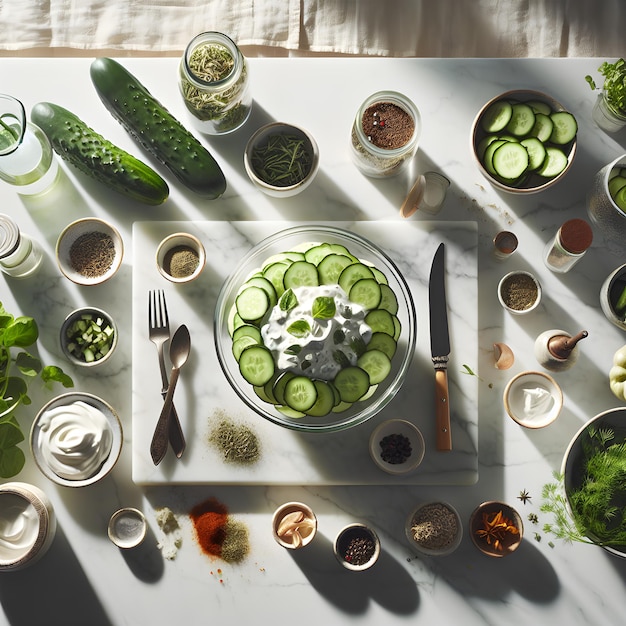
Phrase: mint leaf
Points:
(300, 329)
(294, 349)
(288, 300)
(52, 373)
(323, 308)
(12, 461)
(22, 332)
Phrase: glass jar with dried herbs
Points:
(214, 83)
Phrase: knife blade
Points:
(440, 348)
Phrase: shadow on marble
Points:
(145, 561)
(53, 591)
(386, 583)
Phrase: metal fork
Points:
(159, 334)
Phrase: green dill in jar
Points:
(214, 83)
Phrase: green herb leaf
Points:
(288, 300)
(294, 349)
(12, 461)
(52, 373)
(28, 364)
(340, 358)
(22, 332)
(323, 308)
(299, 328)
(358, 345)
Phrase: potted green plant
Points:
(17, 367)
(609, 111)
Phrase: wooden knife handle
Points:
(442, 411)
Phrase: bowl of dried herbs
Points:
(281, 159)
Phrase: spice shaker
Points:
(214, 83)
(20, 256)
(557, 350)
(385, 134)
(568, 246)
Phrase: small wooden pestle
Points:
(557, 350)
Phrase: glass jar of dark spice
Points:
(568, 246)
(214, 83)
(385, 134)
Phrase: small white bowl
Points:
(259, 138)
(435, 515)
(169, 246)
(530, 388)
(306, 535)
(127, 528)
(507, 304)
(34, 508)
(69, 242)
(346, 535)
(409, 434)
(65, 340)
(39, 437)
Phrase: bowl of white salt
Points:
(533, 399)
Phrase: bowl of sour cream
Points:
(76, 439)
(315, 328)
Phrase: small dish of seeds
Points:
(397, 446)
(89, 251)
(434, 528)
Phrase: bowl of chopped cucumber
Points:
(315, 329)
(523, 141)
(88, 336)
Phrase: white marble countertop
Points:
(86, 579)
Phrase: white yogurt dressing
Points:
(328, 336)
(19, 525)
(75, 440)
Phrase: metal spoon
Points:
(180, 347)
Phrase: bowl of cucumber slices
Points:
(315, 329)
(524, 141)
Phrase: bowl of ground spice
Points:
(180, 257)
(89, 251)
(519, 292)
(397, 446)
(434, 528)
(281, 159)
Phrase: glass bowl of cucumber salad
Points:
(315, 329)
(524, 141)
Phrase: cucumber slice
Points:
(240, 344)
(497, 116)
(615, 184)
(366, 293)
(377, 364)
(252, 303)
(483, 145)
(352, 382)
(565, 127)
(275, 273)
(380, 277)
(555, 163)
(266, 285)
(488, 157)
(522, 120)
(300, 393)
(325, 399)
(510, 160)
(536, 152)
(279, 386)
(388, 299)
(301, 274)
(620, 198)
(287, 411)
(352, 273)
(248, 329)
(381, 321)
(539, 107)
(331, 266)
(256, 365)
(542, 128)
(384, 343)
(317, 253)
(337, 248)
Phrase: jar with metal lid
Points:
(214, 83)
(20, 256)
(385, 134)
(568, 246)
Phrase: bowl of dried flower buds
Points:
(434, 528)
(496, 528)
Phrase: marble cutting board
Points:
(288, 457)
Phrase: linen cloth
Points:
(397, 28)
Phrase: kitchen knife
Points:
(440, 348)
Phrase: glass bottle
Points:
(27, 160)
(214, 83)
(20, 256)
(398, 116)
(568, 246)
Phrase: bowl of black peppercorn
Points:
(397, 446)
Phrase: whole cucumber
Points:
(92, 154)
(156, 129)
